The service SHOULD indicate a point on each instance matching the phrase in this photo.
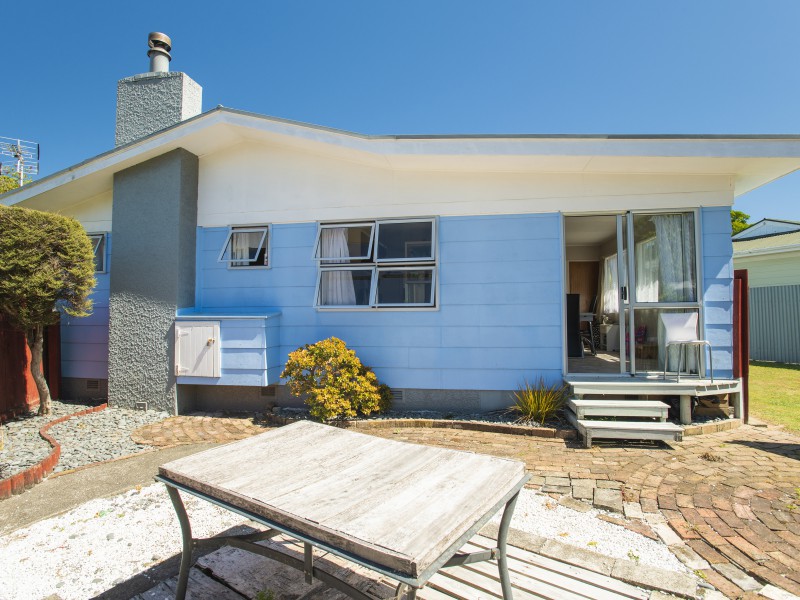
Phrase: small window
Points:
(345, 287)
(405, 241)
(99, 247)
(407, 286)
(246, 247)
(344, 243)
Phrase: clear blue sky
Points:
(421, 66)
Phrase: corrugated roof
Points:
(778, 240)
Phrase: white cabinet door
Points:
(197, 349)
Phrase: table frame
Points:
(408, 585)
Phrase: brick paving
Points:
(197, 428)
(726, 503)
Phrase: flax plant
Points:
(539, 401)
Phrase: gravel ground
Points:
(106, 541)
(84, 440)
(99, 544)
(539, 514)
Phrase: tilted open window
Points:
(246, 247)
(376, 264)
(99, 247)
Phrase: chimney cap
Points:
(159, 40)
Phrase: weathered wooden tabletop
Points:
(392, 503)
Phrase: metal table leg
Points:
(188, 542)
(502, 558)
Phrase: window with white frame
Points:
(246, 247)
(99, 247)
(376, 264)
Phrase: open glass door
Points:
(662, 270)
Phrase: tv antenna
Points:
(25, 156)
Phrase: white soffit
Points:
(751, 160)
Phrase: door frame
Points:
(627, 233)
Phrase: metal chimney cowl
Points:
(152, 101)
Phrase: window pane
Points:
(649, 342)
(410, 241)
(664, 258)
(405, 287)
(247, 248)
(345, 287)
(99, 244)
(346, 243)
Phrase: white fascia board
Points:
(753, 160)
(765, 251)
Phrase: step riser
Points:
(628, 412)
(618, 408)
(590, 430)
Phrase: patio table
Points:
(401, 509)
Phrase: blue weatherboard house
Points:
(456, 266)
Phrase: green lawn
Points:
(775, 393)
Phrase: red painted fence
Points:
(741, 336)
(17, 389)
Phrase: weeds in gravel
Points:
(592, 544)
(710, 457)
(700, 574)
(265, 595)
(633, 556)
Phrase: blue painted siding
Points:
(84, 340)
(249, 350)
(717, 259)
(498, 321)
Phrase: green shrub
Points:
(539, 401)
(385, 403)
(334, 382)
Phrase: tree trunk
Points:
(36, 344)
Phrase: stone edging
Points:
(545, 432)
(712, 427)
(18, 483)
(508, 428)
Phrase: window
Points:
(376, 264)
(246, 247)
(99, 247)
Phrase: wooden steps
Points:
(632, 420)
(618, 408)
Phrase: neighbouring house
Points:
(457, 266)
(770, 252)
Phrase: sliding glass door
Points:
(658, 273)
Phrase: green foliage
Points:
(8, 183)
(46, 265)
(739, 221)
(385, 403)
(265, 595)
(334, 382)
(46, 268)
(539, 401)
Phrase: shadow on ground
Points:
(141, 582)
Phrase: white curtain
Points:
(336, 285)
(240, 247)
(676, 256)
(610, 295)
(676, 275)
(647, 271)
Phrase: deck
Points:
(231, 574)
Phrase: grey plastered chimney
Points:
(152, 101)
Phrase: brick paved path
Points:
(725, 503)
(197, 428)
